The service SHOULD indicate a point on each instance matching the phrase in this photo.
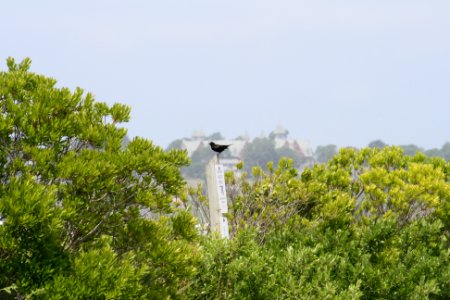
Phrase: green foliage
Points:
(176, 144)
(411, 149)
(377, 144)
(266, 202)
(67, 182)
(199, 160)
(97, 273)
(377, 261)
(325, 153)
(85, 216)
(30, 249)
(258, 153)
(444, 152)
(369, 224)
(297, 159)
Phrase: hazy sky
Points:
(334, 72)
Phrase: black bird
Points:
(218, 148)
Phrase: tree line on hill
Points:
(257, 152)
(84, 215)
(260, 151)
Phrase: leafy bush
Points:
(370, 224)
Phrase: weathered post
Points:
(217, 197)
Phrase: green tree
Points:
(199, 160)
(445, 151)
(289, 153)
(214, 137)
(259, 152)
(377, 144)
(325, 153)
(72, 195)
(176, 144)
(369, 224)
(435, 152)
(411, 149)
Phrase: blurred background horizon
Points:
(344, 73)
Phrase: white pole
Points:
(217, 197)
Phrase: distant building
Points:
(279, 135)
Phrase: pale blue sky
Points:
(334, 72)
